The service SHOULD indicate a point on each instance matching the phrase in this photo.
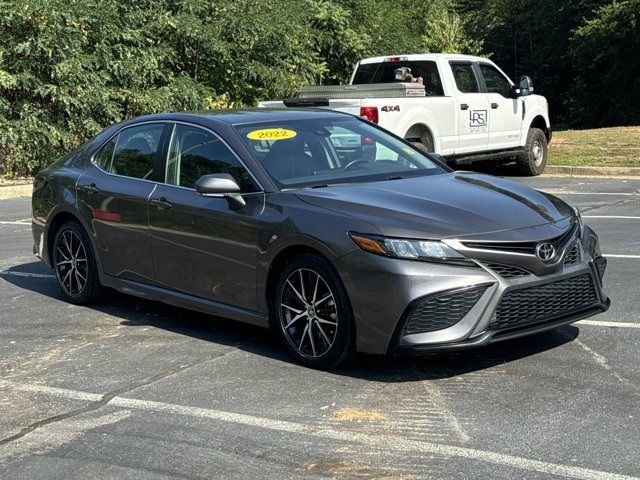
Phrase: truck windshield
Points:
(384, 72)
(326, 151)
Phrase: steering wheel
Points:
(353, 163)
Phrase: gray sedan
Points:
(319, 225)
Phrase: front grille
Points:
(508, 271)
(544, 302)
(572, 256)
(442, 310)
(521, 247)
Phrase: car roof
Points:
(241, 116)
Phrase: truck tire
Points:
(532, 161)
(424, 143)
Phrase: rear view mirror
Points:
(221, 185)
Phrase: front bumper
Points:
(385, 292)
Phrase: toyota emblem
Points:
(545, 251)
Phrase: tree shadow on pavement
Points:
(135, 312)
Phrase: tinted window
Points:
(195, 152)
(465, 78)
(315, 152)
(384, 72)
(495, 81)
(132, 152)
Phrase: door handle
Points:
(162, 203)
(494, 105)
(90, 189)
(464, 106)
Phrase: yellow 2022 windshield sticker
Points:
(271, 134)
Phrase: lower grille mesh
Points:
(442, 310)
(508, 271)
(543, 302)
(573, 256)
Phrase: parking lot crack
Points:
(109, 396)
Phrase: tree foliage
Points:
(68, 68)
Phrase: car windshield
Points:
(326, 151)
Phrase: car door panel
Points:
(200, 246)
(117, 210)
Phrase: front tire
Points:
(313, 313)
(534, 158)
(75, 265)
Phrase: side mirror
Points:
(525, 85)
(221, 185)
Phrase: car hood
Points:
(451, 205)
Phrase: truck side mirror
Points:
(525, 85)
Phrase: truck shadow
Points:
(134, 312)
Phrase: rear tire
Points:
(313, 313)
(534, 158)
(424, 143)
(75, 265)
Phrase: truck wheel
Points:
(424, 143)
(532, 161)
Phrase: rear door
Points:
(505, 113)
(113, 193)
(199, 245)
(472, 107)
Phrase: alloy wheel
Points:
(71, 263)
(308, 313)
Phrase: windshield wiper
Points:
(319, 185)
(395, 177)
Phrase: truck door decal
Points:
(477, 121)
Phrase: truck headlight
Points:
(426, 250)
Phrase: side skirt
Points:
(479, 157)
(184, 300)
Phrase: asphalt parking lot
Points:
(136, 389)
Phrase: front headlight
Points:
(428, 250)
(579, 217)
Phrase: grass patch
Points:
(601, 147)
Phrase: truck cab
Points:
(462, 107)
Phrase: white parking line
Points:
(382, 442)
(613, 255)
(563, 192)
(620, 217)
(27, 274)
(599, 323)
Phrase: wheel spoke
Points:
(78, 284)
(78, 250)
(315, 291)
(324, 299)
(294, 310)
(322, 332)
(295, 319)
(304, 295)
(66, 243)
(63, 262)
(62, 253)
(82, 277)
(322, 320)
(297, 293)
(313, 344)
(67, 275)
(304, 334)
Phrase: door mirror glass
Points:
(221, 185)
(525, 85)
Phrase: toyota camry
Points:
(331, 231)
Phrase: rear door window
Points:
(133, 152)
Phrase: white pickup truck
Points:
(462, 107)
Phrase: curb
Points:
(15, 191)
(574, 171)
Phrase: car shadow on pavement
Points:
(136, 312)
